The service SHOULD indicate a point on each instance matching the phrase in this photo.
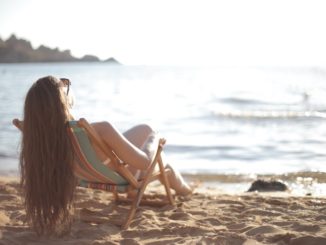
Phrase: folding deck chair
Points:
(112, 174)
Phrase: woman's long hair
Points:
(46, 159)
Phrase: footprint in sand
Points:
(4, 219)
(180, 216)
(212, 221)
(315, 240)
(263, 229)
(305, 227)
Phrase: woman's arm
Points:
(124, 149)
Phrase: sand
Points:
(209, 216)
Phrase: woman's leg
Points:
(138, 136)
(128, 149)
(176, 180)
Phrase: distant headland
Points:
(16, 50)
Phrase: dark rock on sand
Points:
(264, 185)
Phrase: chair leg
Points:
(131, 214)
(165, 181)
(116, 196)
(135, 204)
(137, 199)
(144, 184)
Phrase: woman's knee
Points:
(140, 130)
(138, 134)
(145, 128)
(102, 128)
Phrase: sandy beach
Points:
(208, 217)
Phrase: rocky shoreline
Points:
(16, 50)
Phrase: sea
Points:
(218, 121)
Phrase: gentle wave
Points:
(241, 101)
(5, 155)
(260, 114)
(316, 176)
(206, 130)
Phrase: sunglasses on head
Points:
(66, 82)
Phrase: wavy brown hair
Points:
(46, 159)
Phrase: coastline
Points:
(298, 183)
(304, 183)
(209, 216)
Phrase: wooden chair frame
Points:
(137, 186)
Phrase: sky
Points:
(177, 32)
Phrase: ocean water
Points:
(218, 120)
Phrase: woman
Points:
(46, 158)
